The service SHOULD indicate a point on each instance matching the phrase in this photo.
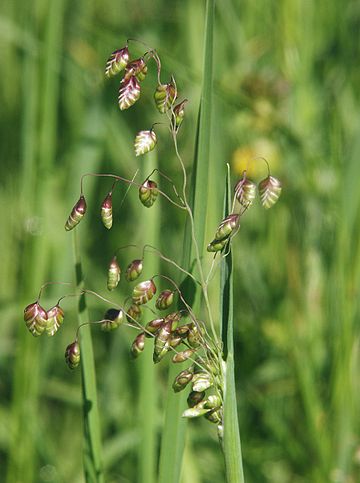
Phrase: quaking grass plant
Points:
(158, 308)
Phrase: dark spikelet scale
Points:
(129, 92)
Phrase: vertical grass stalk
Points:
(93, 467)
(231, 437)
(173, 439)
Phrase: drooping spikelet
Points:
(113, 318)
(148, 193)
(106, 211)
(134, 270)
(245, 191)
(72, 355)
(117, 62)
(114, 273)
(143, 292)
(77, 214)
(165, 96)
(145, 141)
(269, 190)
(129, 92)
(55, 317)
(35, 318)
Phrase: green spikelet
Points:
(178, 115)
(153, 327)
(194, 336)
(72, 355)
(165, 96)
(134, 270)
(183, 379)
(195, 411)
(162, 342)
(55, 317)
(117, 62)
(164, 300)
(227, 227)
(77, 214)
(201, 381)
(216, 246)
(148, 193)
(269, 190)
(183, 356)
(143, 292)
(134, 313)
(138, 345)
(35, 318)
(214, 416)
(106, 211)
(114, 273)
(113, 318)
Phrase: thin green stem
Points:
(93, 466)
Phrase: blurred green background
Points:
(287, 82)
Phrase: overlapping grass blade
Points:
(93, 466)
(231, 438)
(172, 443)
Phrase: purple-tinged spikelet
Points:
(136, 68)
(72, 355)
(245, 191)
(35, 318)
(106, 211)
(143, 292)
(269, 190)
(138, 345)
(129, 92)
(165, 299)
(134, 270)
(117, 61)
(77, 214)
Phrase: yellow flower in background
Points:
(243, 158)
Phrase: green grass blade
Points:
(147, 378)
(231, 439)
(172, 443)
(93, 467)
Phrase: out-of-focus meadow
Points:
(287, 81)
